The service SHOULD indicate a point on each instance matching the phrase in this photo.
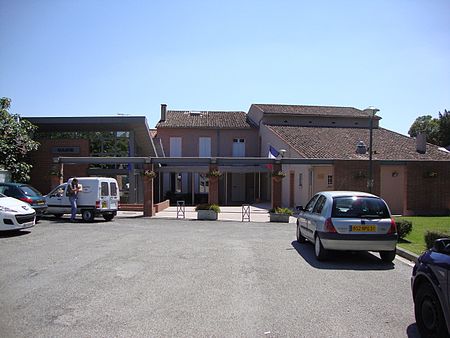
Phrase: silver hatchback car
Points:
(347, 220)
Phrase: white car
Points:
(15, 214)
(348, 220)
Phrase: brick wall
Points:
(42, 161)
(427, 184)
(428, 188)
(353, 175)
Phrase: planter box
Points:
(279, 218)
(210, 215)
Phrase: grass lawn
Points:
(415, 242)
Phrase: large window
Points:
(238, 147)
(203, 184)
(204, 147)
(175, 147)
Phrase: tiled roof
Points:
(340, 143)
(206, 119)
(312, 110)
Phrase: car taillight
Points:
(97, 204)
(329, 227)
(393, 228)
(27, 200)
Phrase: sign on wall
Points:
(65, 150)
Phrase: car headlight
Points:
(6, 209)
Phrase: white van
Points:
(99, 196)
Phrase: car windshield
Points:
(29, 191)
(356, 206)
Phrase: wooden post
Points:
(213, 195)
(148, 191)
(276, 187)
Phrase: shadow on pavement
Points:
(78, 220)
(13, 233)
(341, 260)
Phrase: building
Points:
(223, 157)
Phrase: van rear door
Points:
(109, 199)
(114, 198)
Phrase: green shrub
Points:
(431, 236)
(213, 207)
(404, 227)
(285, 211)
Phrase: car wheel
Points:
(108, 217)
(87, 215)
(300, 237)
(429, 316)
(319, 250)
(387, 256)
(58, 215)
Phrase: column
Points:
(276, 187)
(213, 195)
(148, 191)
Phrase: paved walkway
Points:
(258, 213)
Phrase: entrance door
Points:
(393, 187)
(237, 187)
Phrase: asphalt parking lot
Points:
(162, 277)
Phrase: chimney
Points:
(163, 112)
(421, 143)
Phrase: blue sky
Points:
(87, 57)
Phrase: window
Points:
(175, 147)
(330, 180)
(204, 147)
(353, 206)
(113, 189)
(203, 184)
(104, 189)
(300, 179)
(238, 147)
(176, 180)
(310, 205)
(319, 205)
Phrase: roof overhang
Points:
(137, 124)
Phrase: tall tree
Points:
(428, 125)
(15, 142)
(444, 128)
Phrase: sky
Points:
(95, 58)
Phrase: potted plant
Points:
(150, 174)
(214, 173)
(280, 215)
(278, 175)
(207, 211)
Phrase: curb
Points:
(407, 254)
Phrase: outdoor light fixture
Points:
(372, 111)
(282, 152)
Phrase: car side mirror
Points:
(299, 208)
(442, 245)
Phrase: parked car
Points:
(99, 197)
(15, 214)
(25, 193)
(430, 283)
(347, 220)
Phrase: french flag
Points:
(273, 153)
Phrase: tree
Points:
(15, 142)
(444, 128)
(428, 125)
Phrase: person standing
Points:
(73, 190)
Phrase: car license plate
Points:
(41, 202)
(364, 228)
